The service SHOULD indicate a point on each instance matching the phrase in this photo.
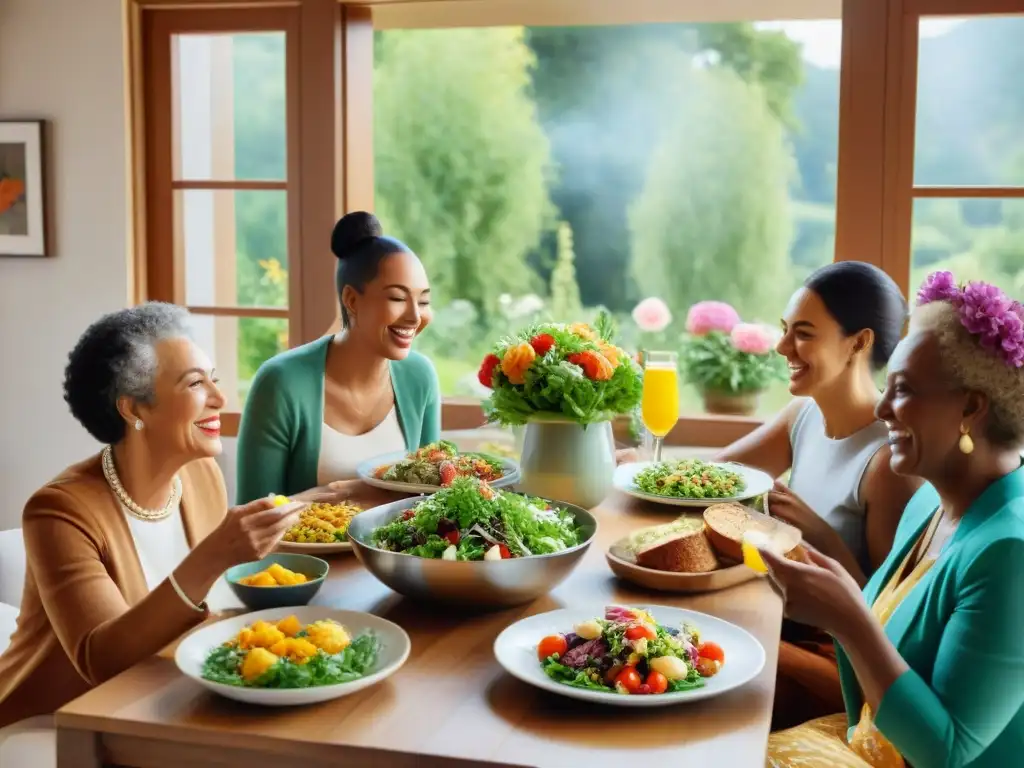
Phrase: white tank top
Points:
(341, 454)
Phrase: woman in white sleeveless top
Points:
(839, 330)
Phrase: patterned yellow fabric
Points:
(822, 742)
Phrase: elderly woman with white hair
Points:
(931, 654)
(124, 546)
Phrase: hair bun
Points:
(352, 229)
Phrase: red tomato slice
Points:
(452, 536)
(505, 554)
(629, 679)
(711, 651)
(640, 630)
(552, 645)
(657, 682)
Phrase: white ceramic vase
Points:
(564, 461)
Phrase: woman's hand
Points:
(333, 493)
(250, 532)
(817, 591)
(787, 506)
(626, 456)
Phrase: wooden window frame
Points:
(333, 104)
(901, 106)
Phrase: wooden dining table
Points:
(451, 703)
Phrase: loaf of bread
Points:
(680, 547)
(725, 525)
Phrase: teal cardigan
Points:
(279, 437)
(961, 632)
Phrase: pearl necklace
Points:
(133, 509)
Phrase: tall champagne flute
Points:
(660, 405)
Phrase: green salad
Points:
(287, 654)
(469, 520)
(689, 479)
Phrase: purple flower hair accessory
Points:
(985, 311)
(939, 286)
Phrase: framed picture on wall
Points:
(22, 193)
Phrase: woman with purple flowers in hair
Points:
(931, 652)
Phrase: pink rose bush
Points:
(752, 338)
(652, 315)
(707, 316)
(725, 355)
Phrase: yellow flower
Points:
(517, 361)
(275, 273)
(583, 330)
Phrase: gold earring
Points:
(966, 443)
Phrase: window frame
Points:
(334, 139)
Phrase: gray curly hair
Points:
(969, 365)
(115, 358)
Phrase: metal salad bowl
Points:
(481, 584)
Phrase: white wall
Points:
(60, 60)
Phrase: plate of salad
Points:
(435, 466)
(292, 656)
(691, 482)
(630, 656)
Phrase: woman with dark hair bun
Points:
(839, 330)
(314, 413)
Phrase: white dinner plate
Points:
(509, 468)
(516, 651)
(394, 650)
(757, 484)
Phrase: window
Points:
(220, 190)
(544, 172)
(968, 194)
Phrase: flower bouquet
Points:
(565, 383)
(730, 362)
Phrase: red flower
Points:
(486, 372)
(595, 367)
(542, 343)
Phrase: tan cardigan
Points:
(86, 612)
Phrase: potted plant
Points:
(729, 362)
(565, 383)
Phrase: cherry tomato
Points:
(707, 667)
(452, 536)
(552, 645)
(640, 630)
(629, 679)
(657, 682)
(711, 651)
(408, 515)
(505, 554)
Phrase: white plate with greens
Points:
(517, 649)
(377, 649)
(691, 482)
(422, 477)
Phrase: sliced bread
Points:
(725, 525)
(679, 547)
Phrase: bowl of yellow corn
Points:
(277, 581)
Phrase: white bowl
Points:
(394, 650)
(516, 651)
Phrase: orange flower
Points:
(611, 352)
(583, 330)
(517, 361)
(596, 367)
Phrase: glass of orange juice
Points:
(659, 408)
